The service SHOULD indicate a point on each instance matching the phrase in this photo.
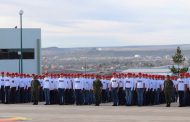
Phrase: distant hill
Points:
(151, 50)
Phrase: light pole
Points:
(19, 53)
(21, 56)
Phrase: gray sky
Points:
(89, 23)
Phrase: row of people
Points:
(128, 89)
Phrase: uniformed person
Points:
(2, 91)
(140, 87)
(46, 88)
(121, 94)
(14, 86)
(128, 87)
(181, 88)
(7, 89)
(97, 86)
(62, 85)
(78, 87)
(104, 90)
(35, 87)
(168, 88)
(86, 90)
(114, 85)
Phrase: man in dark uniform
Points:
(35, 86)
(97, 86)
(168, 87)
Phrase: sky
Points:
(101, 23)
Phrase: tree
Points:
(178, 60)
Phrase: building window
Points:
(14, 54)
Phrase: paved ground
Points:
(103, 113)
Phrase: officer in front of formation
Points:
(35, 87)
(168, 88)
(97, 86)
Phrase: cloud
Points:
(74, 23)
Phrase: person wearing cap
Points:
(128, 87)
(97, 86)
(7, 89)
(22, 86)
(146, 91)
(162, 98)
(140, 87)
(28, 81)
(158, 90)
(2, 85)
(91, 81)
(52, 90)
(78, 86)
(181, 88)
(86, 90)
(35, 87)
(168, 88)
(41, 92)
(188, 89)
(14, 87)
(46, 88)
(62, 85)
(152, 87)
(114, 85)
(104, 89)
(70, 89)
(121, 94)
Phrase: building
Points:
(10, 50)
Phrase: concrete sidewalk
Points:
(103, 113)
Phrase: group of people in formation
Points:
(86, 89)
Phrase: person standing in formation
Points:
(2, 84)
(97, 86)
(128, 87)
(78, 87)
(46, 88)
(114, 85)
(181, 88)
(35, 87)
(140, 87)
(62, 84)
(168, 89)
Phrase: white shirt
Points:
(78, 83)
(181, 84)
(114, 83)
(52, 84)
(158, 84)
(152, 84)
(46, 83)
(14, 82)
(91, 83)
(70, 83)
(2, 81)
(86, 84)
(140, 83)
(62, 83)
(28, 82)
(104, 84)
(147, 83)
(22, 83)
(128, 83)
(7, 81)
(121, 83)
